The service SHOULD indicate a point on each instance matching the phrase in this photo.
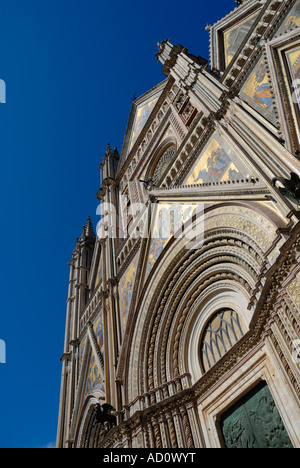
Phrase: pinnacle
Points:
(89, 231)
(116, 152)
(83, 233)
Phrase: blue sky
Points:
(71, 69)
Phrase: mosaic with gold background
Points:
(142, 114)
(219, 162)
(234, 37)
(257, 92)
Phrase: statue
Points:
(148, 184)
(291, 188)
(103, 415)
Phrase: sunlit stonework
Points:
(180, 340)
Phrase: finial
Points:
(89, 231)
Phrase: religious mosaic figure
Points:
(262, 94)
(292, 20)
(235, 37)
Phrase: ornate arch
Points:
(213, 298)
(88, 434)
(232, 257)
(190, 278)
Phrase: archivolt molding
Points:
(275, 276)
(237, 239)
(237, 272)
(178, 340)
(215, 297)
(84, 436)
(203, 281)
(178, 305)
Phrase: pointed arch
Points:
(231, 260)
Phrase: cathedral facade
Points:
(183, 311)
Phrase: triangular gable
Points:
(82, 350)
(141, 110)
(258, 92)
(218, 162)
(99, 331)
(235, 35)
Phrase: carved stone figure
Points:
(103, 415)
(291, 188)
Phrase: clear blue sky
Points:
(71, 69)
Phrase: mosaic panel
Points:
(167, 222)
(126, 285)
(142, 114)
(292, 20)
(94, 380)
(98, 329)
(219, 162)
(257, 92)
(234, 37)
(293, 64)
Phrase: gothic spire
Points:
(82, 233)
(89, 231)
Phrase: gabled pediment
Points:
(258, 91)
(142, 114)
(234, 36)
(141, 110)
